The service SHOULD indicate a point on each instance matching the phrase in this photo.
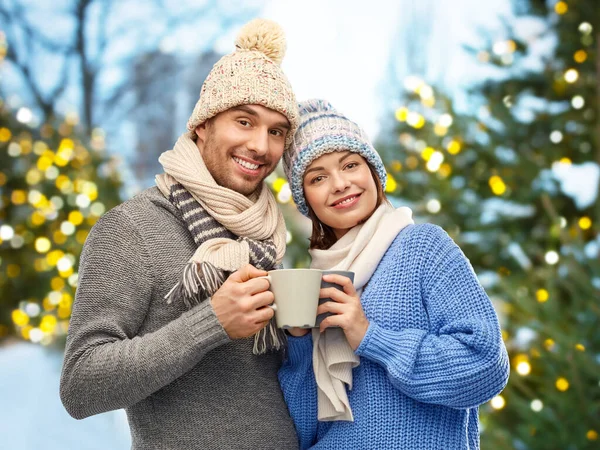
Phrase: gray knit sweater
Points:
(183, 383)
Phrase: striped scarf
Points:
(229, 229)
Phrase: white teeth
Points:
(246, 164)
(348, 200)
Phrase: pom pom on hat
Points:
(264, 36)
(250, 75)
(314, 105)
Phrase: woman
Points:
(409, 351)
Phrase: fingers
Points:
(333, 321)
(263, 315)
(341, 280)
(331, 307)
(335, 294)
(247, 273)
(261, 300)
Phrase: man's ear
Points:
(201, 132)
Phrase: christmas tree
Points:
(512, 174)
(53, 189)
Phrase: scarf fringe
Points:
(201, 281)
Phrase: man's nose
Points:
(259, 142)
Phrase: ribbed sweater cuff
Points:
(204, 326)
(300, 348)
(381, 345)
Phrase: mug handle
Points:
(273, 306)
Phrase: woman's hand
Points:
(347, 310)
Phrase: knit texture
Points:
(324, 130)
(432, 354)
(183, 383)
(230, 229)
(251, 75)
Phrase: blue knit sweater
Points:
(433, 352)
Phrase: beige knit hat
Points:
(251, 75)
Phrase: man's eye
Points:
(277, 132)
(244, 123)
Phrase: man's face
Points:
(242, 146)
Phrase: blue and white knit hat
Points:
(323, 130)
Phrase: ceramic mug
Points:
(296, 294)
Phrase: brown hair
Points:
(322, 236)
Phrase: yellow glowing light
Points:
(66, 301)
(523, 368)
(542, 295)
(429, 102)
(278, 184)
(580, 56)
(592, 435)
(62, 181)
(580, 347)
(561, 7)
(497, 185)
(445, 170)
(42, 244)
(75, 217)
(44, 163)
(415, 120)
(571, 76)
(52, 258)
(440, 130)
(5, 134)
(37, 218)
(435, 161)
(66, 273)
(59, 238)
(47, 304)
(566, 161)
(81, 236)
(562, 384)
(454, 147)
(401, 114)
(33, 176)
(396, 166)
(427, 153)
(585, 223)
(57, 283)
(391, 184)
(498, 402)
(19, 318)
(25, 332)
(13, 270)
(549, 344)
(18, 197)
(48, 324)
(63, 313)
(412, 162)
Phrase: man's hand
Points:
(241, 303)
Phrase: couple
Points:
(171, 323)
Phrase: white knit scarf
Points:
(359, 251)
(257, 218)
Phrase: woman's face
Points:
(340, 189)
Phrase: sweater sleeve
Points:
(298, 384)
(461, 360)
(107, 364)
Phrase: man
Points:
(169, 313)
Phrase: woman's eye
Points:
(316, 179)
(351, 165)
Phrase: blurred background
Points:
(485, 113)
